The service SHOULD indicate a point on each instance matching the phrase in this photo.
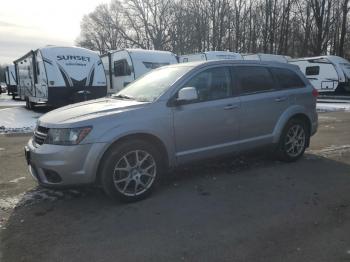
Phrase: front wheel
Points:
(293, 141)
(131, 170)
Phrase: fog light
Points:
(52, 176)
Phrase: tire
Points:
(290, 148)
(120, 165)
(27, 103)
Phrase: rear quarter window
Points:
(287, 78)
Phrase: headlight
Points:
(67, 136)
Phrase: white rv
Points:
(267, 57)
(210, 55)
(59, 76)
(126, 65)
(11, 81)
(326, 73)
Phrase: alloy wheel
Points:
(134, 173)
(295, 140)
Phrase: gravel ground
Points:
(250, 208)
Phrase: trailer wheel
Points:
(27, 102)
(29, 105)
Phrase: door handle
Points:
(281, 99)
(230, 107)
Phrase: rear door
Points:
(262, 104)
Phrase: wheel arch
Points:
(154, 140)
(297, 113)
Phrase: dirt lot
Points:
(247, 209)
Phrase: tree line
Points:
(296, 28)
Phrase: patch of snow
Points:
(332, 150)
(39, 194)
(16, 180)
(332, 107)
(7, 101)
(17, 120)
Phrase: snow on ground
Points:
(14, 118)
(332, 107)
(17, 120)
(7, 101)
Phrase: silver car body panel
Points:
(254, 120)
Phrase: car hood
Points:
(88, 110)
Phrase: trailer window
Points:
(312, 70)
(153, 65)
(121, 68)
(287, 78)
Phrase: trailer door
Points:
(41, 83)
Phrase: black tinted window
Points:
(287, 78)
(254, 79)
(212, 84)
(312, 70)
(121, 68)
(153, 65)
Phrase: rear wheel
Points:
(293, 141)
(131, 170)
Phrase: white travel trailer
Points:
(11, 81)
(267, 57)
(326, 73)
(126, 65)
(210, 55)
(59, 76)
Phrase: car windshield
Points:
(149, 87)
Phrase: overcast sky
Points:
(30, 24)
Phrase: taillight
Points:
(314, 92)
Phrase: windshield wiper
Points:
(124, 97)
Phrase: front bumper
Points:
(54, 165)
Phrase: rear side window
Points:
(312, 70)
(287, 78)
(253, 79)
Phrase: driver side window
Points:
(212, 84)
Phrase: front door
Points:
(208, 126)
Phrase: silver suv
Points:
(172, 116)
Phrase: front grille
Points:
(40, 134)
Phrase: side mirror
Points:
(187, 94)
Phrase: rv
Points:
(126, 65)
(326, 73)
(59, 76)
(210, 55)
(11, 82)
(267, 57)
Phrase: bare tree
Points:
(290, 27)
